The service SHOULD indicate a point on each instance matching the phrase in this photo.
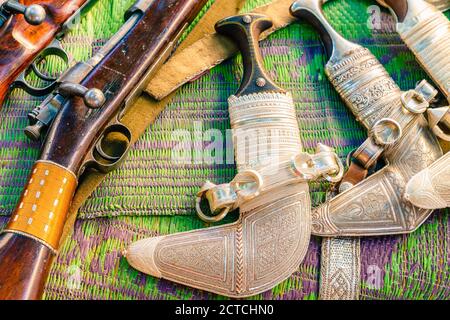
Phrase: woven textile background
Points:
(151, 195)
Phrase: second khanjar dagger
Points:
(402, 137)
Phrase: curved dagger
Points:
(270, 239)
(426, 32)
(376, 205)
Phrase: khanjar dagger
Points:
(426, 32)
(375, 205)
(271, 236)
(401, 136)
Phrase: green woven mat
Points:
(151, 195)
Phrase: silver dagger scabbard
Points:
(269, 240)
(430, 187)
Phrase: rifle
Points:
(30, 31)
(86, 134)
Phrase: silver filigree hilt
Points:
(33, 14)
(426, 32)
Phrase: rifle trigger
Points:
(111, 147)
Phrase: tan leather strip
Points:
(209, 51)
(146, 109)
(442, 5)
(354, 174)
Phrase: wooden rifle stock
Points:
(77, 137)
(21, 43)
(24, 268)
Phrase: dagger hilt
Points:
(351, 68)
(336, 46)
(426, 32)
(397, 7)
(245, 31)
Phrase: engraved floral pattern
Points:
(363, 99)
(372, 206)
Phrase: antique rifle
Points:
(87, 133)
(29, 33)
(270, 239)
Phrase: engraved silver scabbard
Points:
(426, 32)
(397, 131)
(430, 188)
(270, 239)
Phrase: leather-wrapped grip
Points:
(245, 31)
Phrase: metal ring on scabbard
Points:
(386, 131)
(210, 219)
(324, 163)
(224, 198)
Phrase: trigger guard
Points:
(40, 75)
(54, 49)
(32, 90)
(114, 161)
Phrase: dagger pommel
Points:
(335, 45)
(398, 7)
(245, 31)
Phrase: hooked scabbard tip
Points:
(140, 255)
